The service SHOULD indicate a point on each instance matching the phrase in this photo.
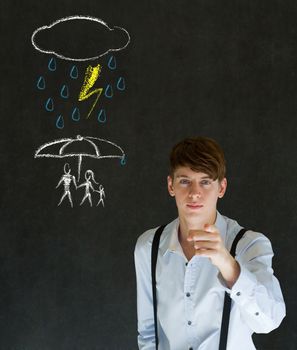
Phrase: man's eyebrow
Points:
(182, 176)
(202, 178)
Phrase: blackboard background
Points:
(221, 69)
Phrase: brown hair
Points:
(201, 154)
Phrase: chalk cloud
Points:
(89, 27)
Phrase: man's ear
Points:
(223, 187)
(170, 186)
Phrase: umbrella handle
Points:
(79, 166)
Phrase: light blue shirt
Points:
(190, 294)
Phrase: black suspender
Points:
(227, 300)
(155, 248)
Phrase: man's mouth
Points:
(194, 205)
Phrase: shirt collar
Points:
(171, 242)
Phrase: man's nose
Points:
(195, 191)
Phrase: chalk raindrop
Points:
(52, 64)
(49, 104)
(74, 72)
(124, 161)
(41, 83)
(60, 122)
(64, 91)
(108, 91)
(102, 116)
(75, 114)
(112, 63)
(121, 84)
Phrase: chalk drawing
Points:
(82, 19)
(41, 83)
(91, 75)
(108, 91)
(112, 63)
(49, 104)
(75, 114)
(89, 176)
(74, 72)
(121, 84)
(101, 116)
(78, 27)
(79, 147)
(60, 122)
(66, 180)
(102, 194)
(64, 91)
(58, 149)
(52, 64)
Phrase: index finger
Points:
(210, 228)
(200, 235)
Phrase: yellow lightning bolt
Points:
(92, 74)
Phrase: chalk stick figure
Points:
(89, 176)
(102, 194)
(66, 179)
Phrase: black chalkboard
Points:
(166, 70)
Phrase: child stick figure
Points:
(102, 194)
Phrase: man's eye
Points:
(184, 182)
(205, 182)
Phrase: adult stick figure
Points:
(89, 176)
(66, 179)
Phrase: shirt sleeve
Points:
(145, 313)
(257, 292)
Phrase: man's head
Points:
(201, 154)
(197, 178)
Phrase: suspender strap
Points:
(236, 239)
(227, 300)
(155, 247)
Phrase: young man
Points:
(195, 268)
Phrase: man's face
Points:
(196, 194)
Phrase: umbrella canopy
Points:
(81, 146)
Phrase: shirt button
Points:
(238, 294)
(189, 323)
(257, 313)
(188, 294)
(186, 264)
(190, 348)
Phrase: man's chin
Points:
(194, 219)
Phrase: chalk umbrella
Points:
(80, 147)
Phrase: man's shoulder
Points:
(249, 238)
(145, 240)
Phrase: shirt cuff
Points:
(243, 289)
